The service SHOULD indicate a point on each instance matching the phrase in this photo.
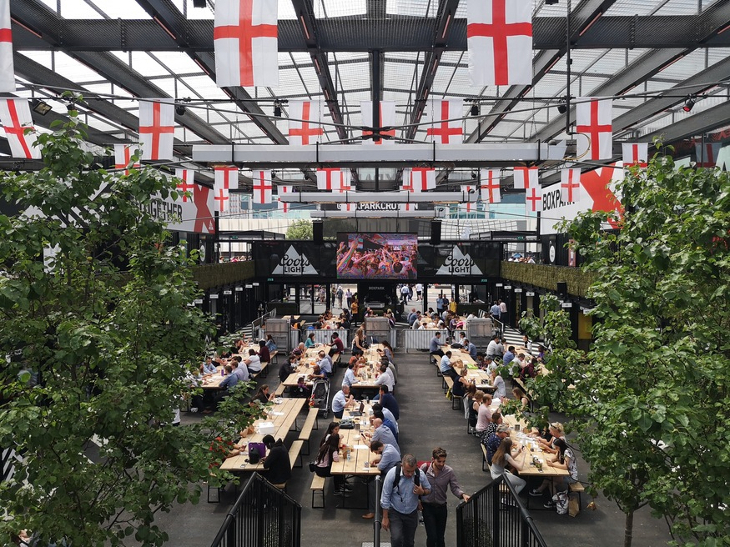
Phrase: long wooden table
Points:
(306, 364)
(283, 413)
(531, 453)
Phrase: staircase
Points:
(513, 337)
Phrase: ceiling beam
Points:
(392, 34)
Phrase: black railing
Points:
(496, 517)
(263, 516)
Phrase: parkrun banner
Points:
(305, 260)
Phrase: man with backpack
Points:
(402, 488)
(435, 508)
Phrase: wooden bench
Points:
(294, 453)
(263, 372)
(485, 463)
(317, 486)
(280, 390)
(456, 400)
(579, 488)
(448, 383)
(309, 424)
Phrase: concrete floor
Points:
(427, 420)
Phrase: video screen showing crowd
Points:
(377, 256)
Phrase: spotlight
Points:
(689, 103)
(199, 3)
(277, 109)
(180, 109)
(474, 109)
(41, 107)
(551, 2)
(562, 108)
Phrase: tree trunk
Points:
(629, 529)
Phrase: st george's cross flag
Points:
(282, 190)
(570, 185)
(499, 40)
(157, 129)
(490, 185)
(635, 154)
(533, 199)
(304, 122)
(440, 129)
(262, 186)
(334, 179)
(420, 179)
(225, 180)
(387, 120)
(407, 207)
(348, 207)
(593, 118)
(187, 182)
(525, 178)
(469, 206)
(16, 119)
(123, 157)
(707, 153)
(7, 68)
(245, 38)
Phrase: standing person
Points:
(419, 291)
(399, 499)
(495, 310)
(435, 509)
(348, 297)
(440, 304)
(503, 315)
(339, 294)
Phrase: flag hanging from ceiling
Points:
(469, 206)
(707, 153)
(635, 154)
(245, 39)
(349, 207)
(123, 156)
(420, 179)
(407, 206)
(525, 178)
(440, 129)
(570, 185)
(533, 199)
(16, 118)
(186, 184)
(489, 185)
(204, 219)
(7, 69)
(222, 197)
(262, 186)
(499, 40)
(226, 177)
(304, 122)
(156, 129)
(387, 122)
(593, 118)
(283, 189)
(333, 179)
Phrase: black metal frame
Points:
(494, 517)
(263, 515)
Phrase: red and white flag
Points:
(333, 179)
(123, 157)
(469, 206)
(283, 206)
(499, 39)
(707, 153)
(7, 68)
(635, 154)
(204, 220)
(16, 118)
(304, 122)
(533, 199)
(593, 118)
(349, 207)
(226, 177)
(570, 185)
(407, 206)
(156, 129)
(262, 186)
(525, 178)
(387, 120)
(442, 130)
(187, 182)
(245, 38)
(490, 185)
(222, 197)
(420, 179)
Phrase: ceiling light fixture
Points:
(474, 109)
(277, 108)
(41, 107)
(199, 3)
(689, 103)
(562, 108)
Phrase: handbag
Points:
(573, 507)
(561, 502)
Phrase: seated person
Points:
(262, 396)
(287, 368)
(239, 369)
(253, 362)
(316, 373)
(264, 354)
(521, 396)
(351, 373)
(208, 367)
(309, 342)
(500, 389)
(325, 363)
(270, 343)
(503, 459)
(276, 463)
(388, 401)
(385, 378)
(302, 390)
(446, 368)
(341, 400)
(329, 451)
(336, 345)
(434, 346)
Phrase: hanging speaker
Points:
(435, 232)
(562, 288)
(200, 3)
(318, 232)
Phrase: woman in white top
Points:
(500, 390)
(501, 459)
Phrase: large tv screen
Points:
(377, 256)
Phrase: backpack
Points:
(396, 481)
(561, 502)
